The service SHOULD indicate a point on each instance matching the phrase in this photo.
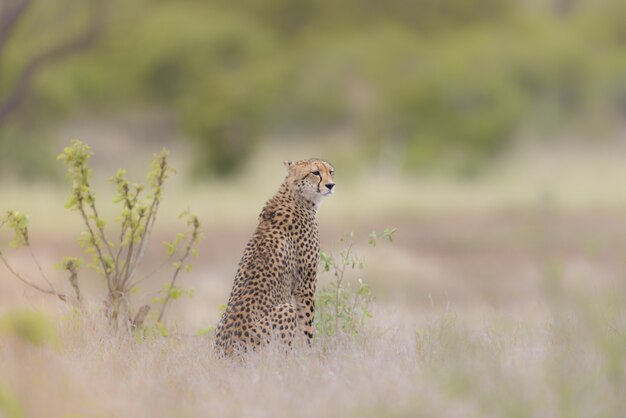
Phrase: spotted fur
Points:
(273, 292)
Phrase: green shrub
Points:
(116, 262)
(339, 307)
(28, 326)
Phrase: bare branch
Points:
(129, 256)
(103, 238)
(32, 255)
(105, 269)
(152, 212)
(29, 283)
(151, 273)
(9, 18)
(123, 230)
(194, 238)
(71, 46)
(72, 268)
(140, 317)
(145, 237)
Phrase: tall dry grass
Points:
(566, 358)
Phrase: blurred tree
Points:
(287, 17)
(13, 93)
(429, 79)
(217, 71)
(295, 17)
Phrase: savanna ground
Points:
(500, 296)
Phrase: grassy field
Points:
(563, 360)
(500, 296)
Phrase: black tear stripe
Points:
(318, 184)
(319, 174)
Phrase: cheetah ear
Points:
(288, 164)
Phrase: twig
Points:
(140, 317)
(339, 275)
(152, 273)
(8, 19)
(29, 283)
(91, 199)
(145, 237)
(32, 255)
(181, 260)
(92, 204)
(119, 250)
(152, 212)
(123, 229)
(129, 255)
(21, 85)
(106, 271)
(71, 267)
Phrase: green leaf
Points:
(18, 223)
(205, 331)
(68, 263)
(179, 238)
(372, 238)
(162, 329)
(389, 233)
(169, 247)
(175, 292)
(327, 260)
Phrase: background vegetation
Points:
(415, 83)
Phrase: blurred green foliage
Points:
(9, 404)
(28, 326)
(434, 79)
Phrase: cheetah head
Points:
(312, 178)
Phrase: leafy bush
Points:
(339, 307)
(117, 262)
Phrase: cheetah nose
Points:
(330, 186)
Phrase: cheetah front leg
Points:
(280, 325)
(305, 300)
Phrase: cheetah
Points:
(273, 291)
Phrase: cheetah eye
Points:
(332, 172)
(316, 172)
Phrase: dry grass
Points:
(504, 333)
(567, 359)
